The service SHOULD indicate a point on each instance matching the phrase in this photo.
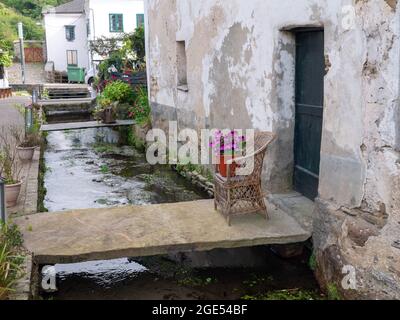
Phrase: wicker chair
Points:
(243, 194)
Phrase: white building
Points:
(70, 28)
(324, 76)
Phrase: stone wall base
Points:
(353, 253)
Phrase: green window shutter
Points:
(116, 21)
(70, 33)
(120, 23)
(139, 20)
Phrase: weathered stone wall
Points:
(361, 230)
(240, 62)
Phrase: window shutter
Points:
(116, 22)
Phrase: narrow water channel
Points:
(88, 169)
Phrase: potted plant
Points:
(28, 142)
(26, 148)
(10, 169)
(106, 110)
(227, 147)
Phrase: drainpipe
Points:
(94, 38)
(146, 45)
(3, 215)
(22, 47)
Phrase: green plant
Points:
(9, 19)
(194, 281)
(312, 262)
(118, 91)
(45, 94)
(104, 169)
(103, 147)
(10, 233)
(333, 292)
(289, 294)
(102, 105)
(134, 48)
(115, 59)
(5, 58)
(140, 111)
(10, 261)
(42, 191)
(136, 142)
(183, 168)
(31, 138)
(32, 8)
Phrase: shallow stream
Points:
(88, 169)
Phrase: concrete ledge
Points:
(84, 125)
(65, 102)
(27, 201)
(134, 231)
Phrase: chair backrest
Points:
(262, 139)
(261, 142)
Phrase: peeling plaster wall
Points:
(363, 232)
(240, 62)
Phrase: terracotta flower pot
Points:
(12, 194)
(223, 166)
(26, 154)
(108, 116)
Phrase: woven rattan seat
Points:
(243, 194)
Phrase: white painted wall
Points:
(4, 82)
(57, 44)
(99, 14)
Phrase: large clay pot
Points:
(12, 194)
(223, 166)
(26, 154)
(108, 116)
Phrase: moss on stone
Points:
(42, 191)
(312, 262)
(333, 292)
(289, 294)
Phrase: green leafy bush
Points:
(9, 19)
(140, 111)
(118, 91)
(31, 8)
(5, 59)
(134, 47)
(116, 59)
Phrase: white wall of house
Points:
(57, 44)
(99, 11)
(4, 82)
(241, 74)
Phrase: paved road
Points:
(9, 115)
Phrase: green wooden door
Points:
(310, 69)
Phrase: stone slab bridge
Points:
(84, 125)
(134, 231)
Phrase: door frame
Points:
(296, 31)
